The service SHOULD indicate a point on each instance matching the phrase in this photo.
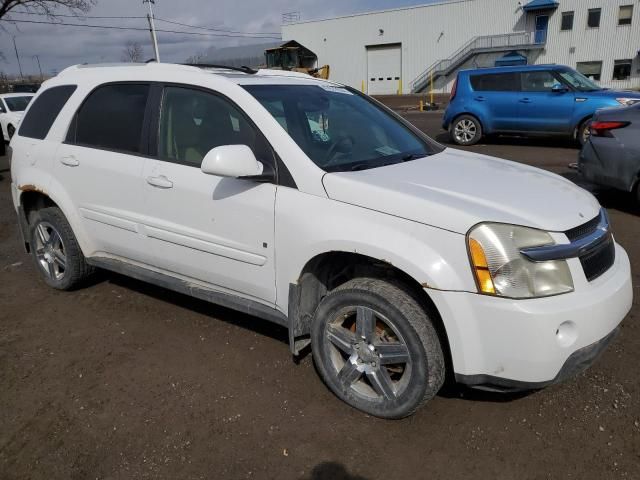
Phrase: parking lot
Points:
(127, 380)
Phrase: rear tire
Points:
(377, 349)
(55, 250)
(465, 130)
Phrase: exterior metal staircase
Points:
(477, 45)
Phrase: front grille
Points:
(598, 261)
(583, 230)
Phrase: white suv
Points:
(303, 202)
(12, 106)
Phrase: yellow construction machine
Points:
(294, 57)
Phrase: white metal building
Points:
(404, 49)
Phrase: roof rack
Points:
(242, 69)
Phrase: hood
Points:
(455, 190)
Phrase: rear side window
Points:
(44, 111)
(496, 82)
(112, 118)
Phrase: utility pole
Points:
(39, 67)
(152, 29)
(18, 58)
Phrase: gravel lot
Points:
(126, 380)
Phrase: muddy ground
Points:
(124, 380)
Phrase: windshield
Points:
(17, 104)
(338, 129)
(285, 58)
(579, 81)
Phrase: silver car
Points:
(611, 157)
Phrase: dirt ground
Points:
(122, 380)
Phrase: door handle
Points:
(479, 99)
(525, 100)
(70, 161)
(160, 182)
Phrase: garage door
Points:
(384, 67)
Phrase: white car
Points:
(399, 261)
(12, 107)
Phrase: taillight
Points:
(603, 129)
(454, 89)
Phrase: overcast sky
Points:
(60, 46)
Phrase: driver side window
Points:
(538, 81)
(192, 122)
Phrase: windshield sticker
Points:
(335, 89)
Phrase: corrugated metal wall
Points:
(433, 32)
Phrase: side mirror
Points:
(234, 161)
(558, 88)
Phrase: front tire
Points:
(55, 250)
(11, 130)
(583, 133)
(377, 349)
(465, 130)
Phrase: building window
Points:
(625, 15)
(622, 70)
(593, 20)
(567, 21)
(593, 70)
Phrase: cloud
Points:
(60, 46)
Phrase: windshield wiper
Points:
(368, 165)
(360, 166)
(413, 156)
(406, 158)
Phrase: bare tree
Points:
(196, 59)
(45, 7)
(133, 52)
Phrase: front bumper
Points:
(510, 344)
(577, 362)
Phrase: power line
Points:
(79, 17)
(213, 29)
(140, 29)
(92, 17)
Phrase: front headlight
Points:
(627, 101)
(500, 269)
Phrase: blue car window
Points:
(538, 81)
(496, 82)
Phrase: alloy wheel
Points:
(465, 131)
(50, 251)
(586, 133)
(368, 354)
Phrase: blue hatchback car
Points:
(527, 100)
